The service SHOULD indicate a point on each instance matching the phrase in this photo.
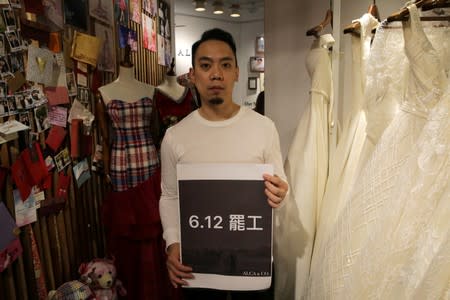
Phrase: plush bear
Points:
(101, 273)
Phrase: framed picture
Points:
(252, 82)
(256, 64)
(259, 45)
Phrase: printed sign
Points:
(226, 225)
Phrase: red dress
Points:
(171, 111)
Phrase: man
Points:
(220, 131)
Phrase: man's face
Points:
(215, 72)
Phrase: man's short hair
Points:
(218, 35)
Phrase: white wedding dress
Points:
(350, 246)
(344, 162)
(306, 168)
(411, 260)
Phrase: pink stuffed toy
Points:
(101, 275)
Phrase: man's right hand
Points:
(177, 271)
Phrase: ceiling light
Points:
(218, 7)
(199, 5)
(235, 13)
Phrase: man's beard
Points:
(216, 101)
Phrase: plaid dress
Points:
(133, 155)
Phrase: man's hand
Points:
(276, 189)
(177, 271)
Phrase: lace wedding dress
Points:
(350, 246)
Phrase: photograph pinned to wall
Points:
(132, 40)
(4, 66)
(62, 159)
(121, 11)
(53, 10)
(84, 97)
(161, 51)
(37, 96)
(12, 107)
(71, 84)
(3, 89)
(135, 9)
(149, 33)
(164, 19)
(19, 98)
(13, 41)
(106, 60)
(15, 3)
(9, 18)
(256, 64)
(2, 45)
(150, 6)
(2, 24)
(41, 118)
(24, 118)
(75, 13)
(101, 10)
(16, 60)
(4, 109)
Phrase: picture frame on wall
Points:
(256, 64)
(252, 83)
(259, 45)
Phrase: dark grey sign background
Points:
(221, 251)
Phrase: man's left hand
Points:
(276, 189)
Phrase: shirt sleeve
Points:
(169, 202)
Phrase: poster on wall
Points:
(161, 51)
(149, 33)
(135, 9)
(75, 13)
(101, 10)
(106, 60)
(225, 225)
(150, 7)
(164, 19)
(122, 11)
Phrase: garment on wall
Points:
(133, 155)
(368, 210)
(344, 161)
(306, 167)
(171, 111)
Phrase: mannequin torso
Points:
(171, 88)
(126, 88)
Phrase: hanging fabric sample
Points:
(306, 167)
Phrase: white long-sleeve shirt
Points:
(247, 137)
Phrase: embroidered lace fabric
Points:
(350, 252)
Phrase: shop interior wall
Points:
(188, 29)
(287, 82)
(74, 235)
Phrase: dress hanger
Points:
(403, 14)
(354, 27)
(436, 4)
(317, 29)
